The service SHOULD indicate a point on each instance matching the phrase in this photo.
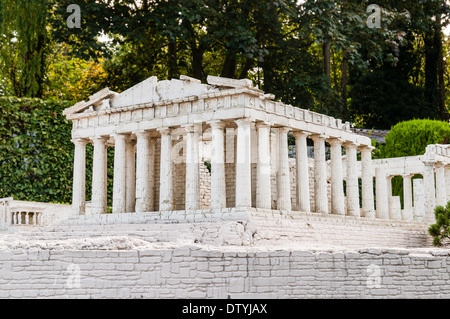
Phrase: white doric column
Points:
(301, 148)
(166, 171)
(27, 218)
(382, 199)
(368, 208)
(99, 177)
(131, 176)
(218, 190)
(352, 185)
(193, 134)
(441, 188)
(320, 174)
(263, 187)
(337, 183)
(407, 198)
(79, 178)
(120, 181)
(283, 176)
(429, 190)
(243, 164)
(144, 167)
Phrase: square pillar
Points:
(382, 198)
(368, 208)
(441, 187)
(430, 191)
(407, 198)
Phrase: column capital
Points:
(407, 175)
(243, 121)
(350, 145)
(335, 141)
(439, 164)
(164, 130)
(284, 129)
(318, 137)
(366, 148)
(120, 136)
(80, 141)
(99, 139)
(191, 128)
(142, 133)
(263, 125)
(429, 163)
(217, 124)
(300, 134)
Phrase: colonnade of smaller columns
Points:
(436, 191)
(25, 218)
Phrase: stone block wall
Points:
(193, 272)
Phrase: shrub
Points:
(441, 230)
(410, 138)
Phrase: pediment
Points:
(153, 91)
(96, 102)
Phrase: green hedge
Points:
(36, 152)
(410, 138)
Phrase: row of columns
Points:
(436, 190)
(134, 192)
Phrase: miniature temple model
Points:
(163, 133)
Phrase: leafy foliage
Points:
(24, 45)
(410, 138)
(36, 152)
(70, 78)
(441, 229)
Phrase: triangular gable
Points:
(94, 100)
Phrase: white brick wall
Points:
(193, 272)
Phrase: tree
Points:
(24, 46)
(441, 229)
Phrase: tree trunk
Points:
(246, 67)
(431, 72)
(197, 62)
(229, 66)
(173, 60)
(327, 60)
(344, 82)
